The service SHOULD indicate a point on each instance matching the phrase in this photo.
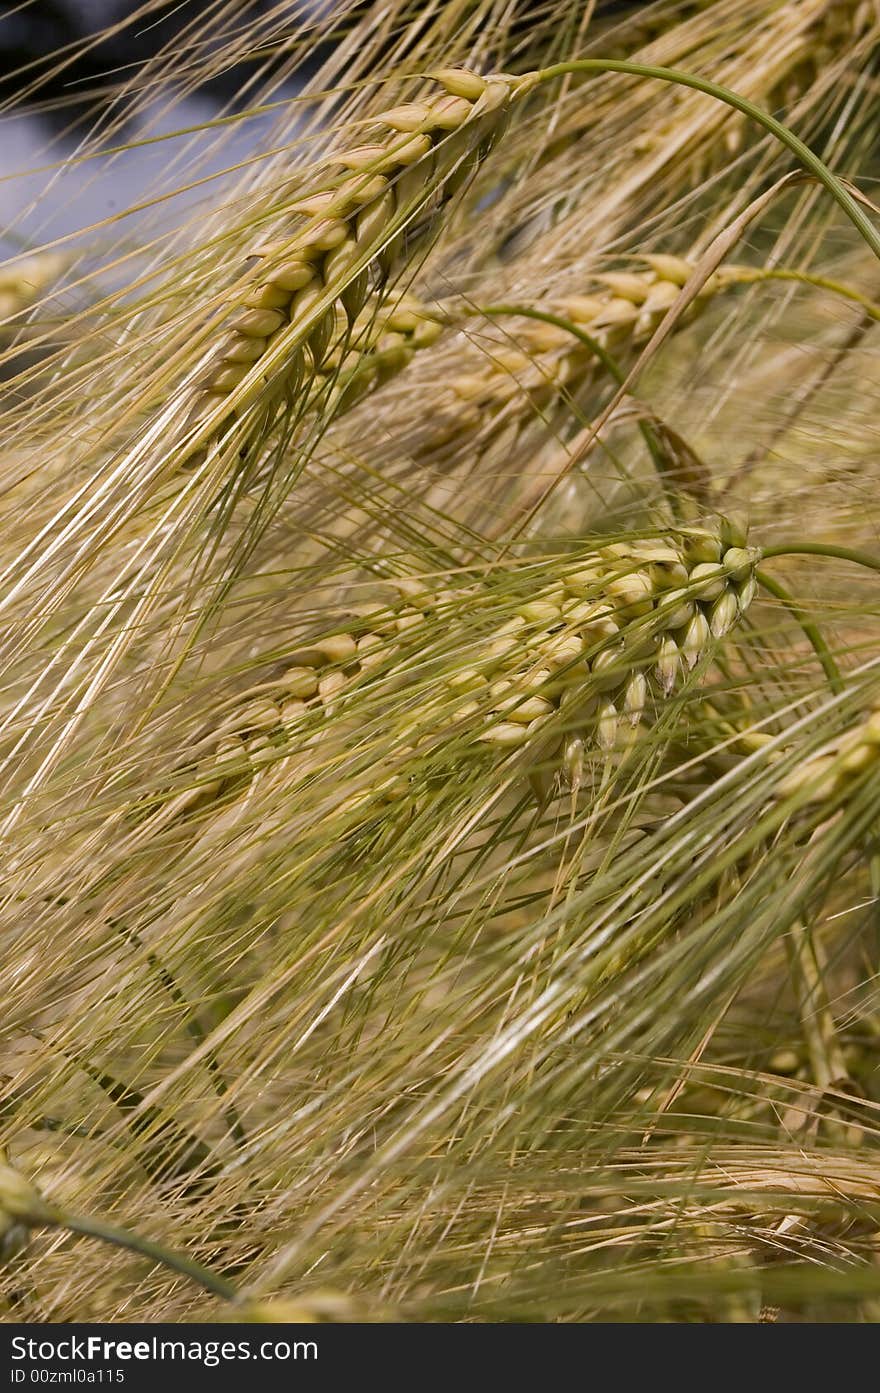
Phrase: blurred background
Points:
(62, 66)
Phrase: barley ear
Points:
(342, 239)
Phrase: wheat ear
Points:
(21, 1208)
(379, 344)
(835, 25)
(618, 312)
(618, 620)
(805, 54)
(353, 228)
(847, 758)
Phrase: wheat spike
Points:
(803, 42)
(621, 619)
(383, 340)
(22, 286)
(354, 226)
(21, 1209)
(836, 24)
(828, 773)
(23, 282)
(498, 400)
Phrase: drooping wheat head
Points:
(358, 222)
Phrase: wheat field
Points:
(440, 673)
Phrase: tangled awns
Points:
(440, 670)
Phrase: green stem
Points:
(802, 152)
(858, 558)
(748, 276)
(122, 1238)
(609, 363)
(810, 628)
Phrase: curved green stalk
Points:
(786, 273)
(608, 361)
(807, 157)
(122, 1238)
(810, 628)
(828, 549)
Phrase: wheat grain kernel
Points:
(227, 378)
(628, 285)
(461, 82)
(337, 648)
(291, 275)
(707, 580)
(540, 612)
(739, 563)
(635, 697)
(258, 323)
(606, 726)
(301, 681)
(695, 640)
(506, 734)
(677, 608)
(724, 614)
(701, 546)
(668, 663)
(607, 668)
(266, 297)
(243, 350)
(531, 709)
